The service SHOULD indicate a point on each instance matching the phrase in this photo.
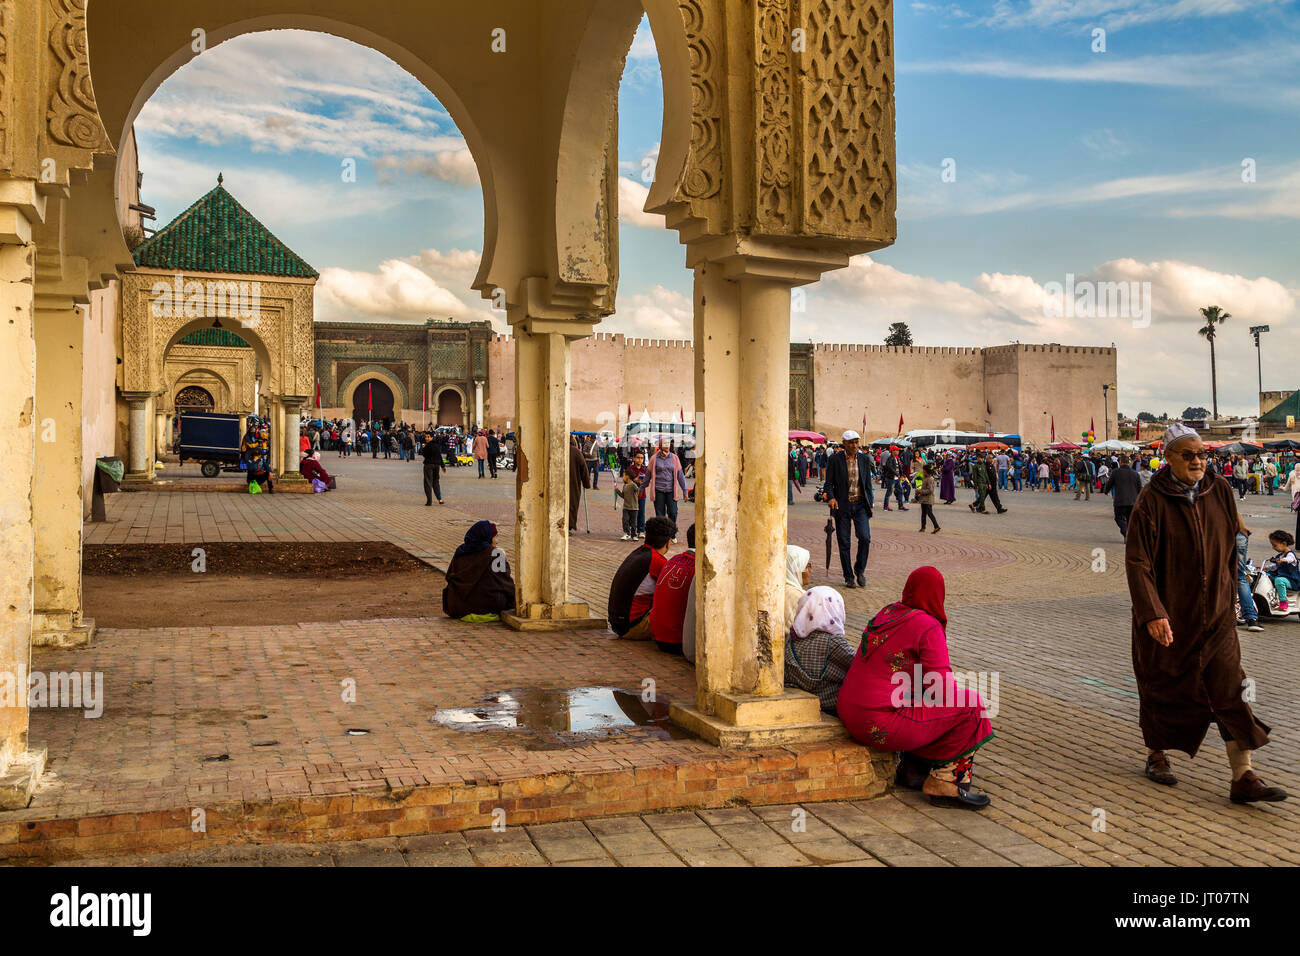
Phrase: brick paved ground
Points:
(1030, 597)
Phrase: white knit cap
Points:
(1177, 432)
(850, 435)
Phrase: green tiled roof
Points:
(222, 337)
(217, 234)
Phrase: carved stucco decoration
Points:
(71, 115)
(819, 135)
(283, 328)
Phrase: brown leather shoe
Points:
(1158, 769)
(1250, 789)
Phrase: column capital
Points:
(136, 398)
(744, 257)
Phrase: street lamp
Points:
(1105, 408)
(1255, 330)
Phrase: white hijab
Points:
(821, 609)
(796, 559)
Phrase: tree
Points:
(1146, 417)
(1195, 412)
(899, 334)
(1213, 316)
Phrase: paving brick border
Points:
(796, 774)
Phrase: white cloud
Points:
(280, 91)
(429, 285)
(452, 165)
(659, 313)
(1115, 13)
(631, 205)
(277, 199)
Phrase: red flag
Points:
(370, 399)
(1053, 428)
(318, 393)
(424, 398)
(864, 422)
(1137, 432)
(900, 423)
(681, 412)
(1092, 425)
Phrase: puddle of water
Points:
(561, 718)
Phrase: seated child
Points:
(1284, 568)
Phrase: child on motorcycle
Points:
(1284, 568)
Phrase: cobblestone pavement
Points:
(1036, 596)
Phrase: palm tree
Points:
(1213, 316)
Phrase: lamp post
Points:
(1256, 330)
(1105, 408)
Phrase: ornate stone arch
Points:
(209, 379)
(349, 385)
(436, 400)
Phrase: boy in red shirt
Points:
(674, 585)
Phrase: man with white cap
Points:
(848, 491)
(1181, 560)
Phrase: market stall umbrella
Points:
(1064, 446)
(1114, 444)
(817, 438)
(990, 446)
(1240, 448)
(886, 442)
(1282, 444)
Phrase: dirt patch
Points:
(361, 558)
(250, 584)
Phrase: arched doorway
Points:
(194, 398)
(373, 401)
(450, 409)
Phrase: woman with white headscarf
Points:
(798, 576)
(817, 655)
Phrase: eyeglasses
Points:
(1193, 455)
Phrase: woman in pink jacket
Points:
(900, 695)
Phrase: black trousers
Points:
(993, 496)
(1122, 514)
(927, 511)
(431, 485)
(492, 465)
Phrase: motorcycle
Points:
(1265, 595)
(505, 460)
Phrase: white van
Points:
(645, 436)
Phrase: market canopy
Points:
(1282, 444)
(1064, 446)
(887, 442)
(1240, 448)
(1114, 444)
(990, 446)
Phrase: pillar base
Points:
(137, 477)
(791, 717)
(61, 633)
(19, 780)
(552, 617)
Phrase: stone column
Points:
(478, 404)
(742, 379)
(21, 207)
(139, 461)
(542, 482)
(56, 493)
(291, 448)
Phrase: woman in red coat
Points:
(900, 695)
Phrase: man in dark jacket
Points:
(1181, 560)
(494, 451)
(1125, 484)
(848, 491)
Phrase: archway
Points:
(451, 408)
(372, 401)
(194, 398)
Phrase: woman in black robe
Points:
(478, 578)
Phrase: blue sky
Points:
(1122, 164)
